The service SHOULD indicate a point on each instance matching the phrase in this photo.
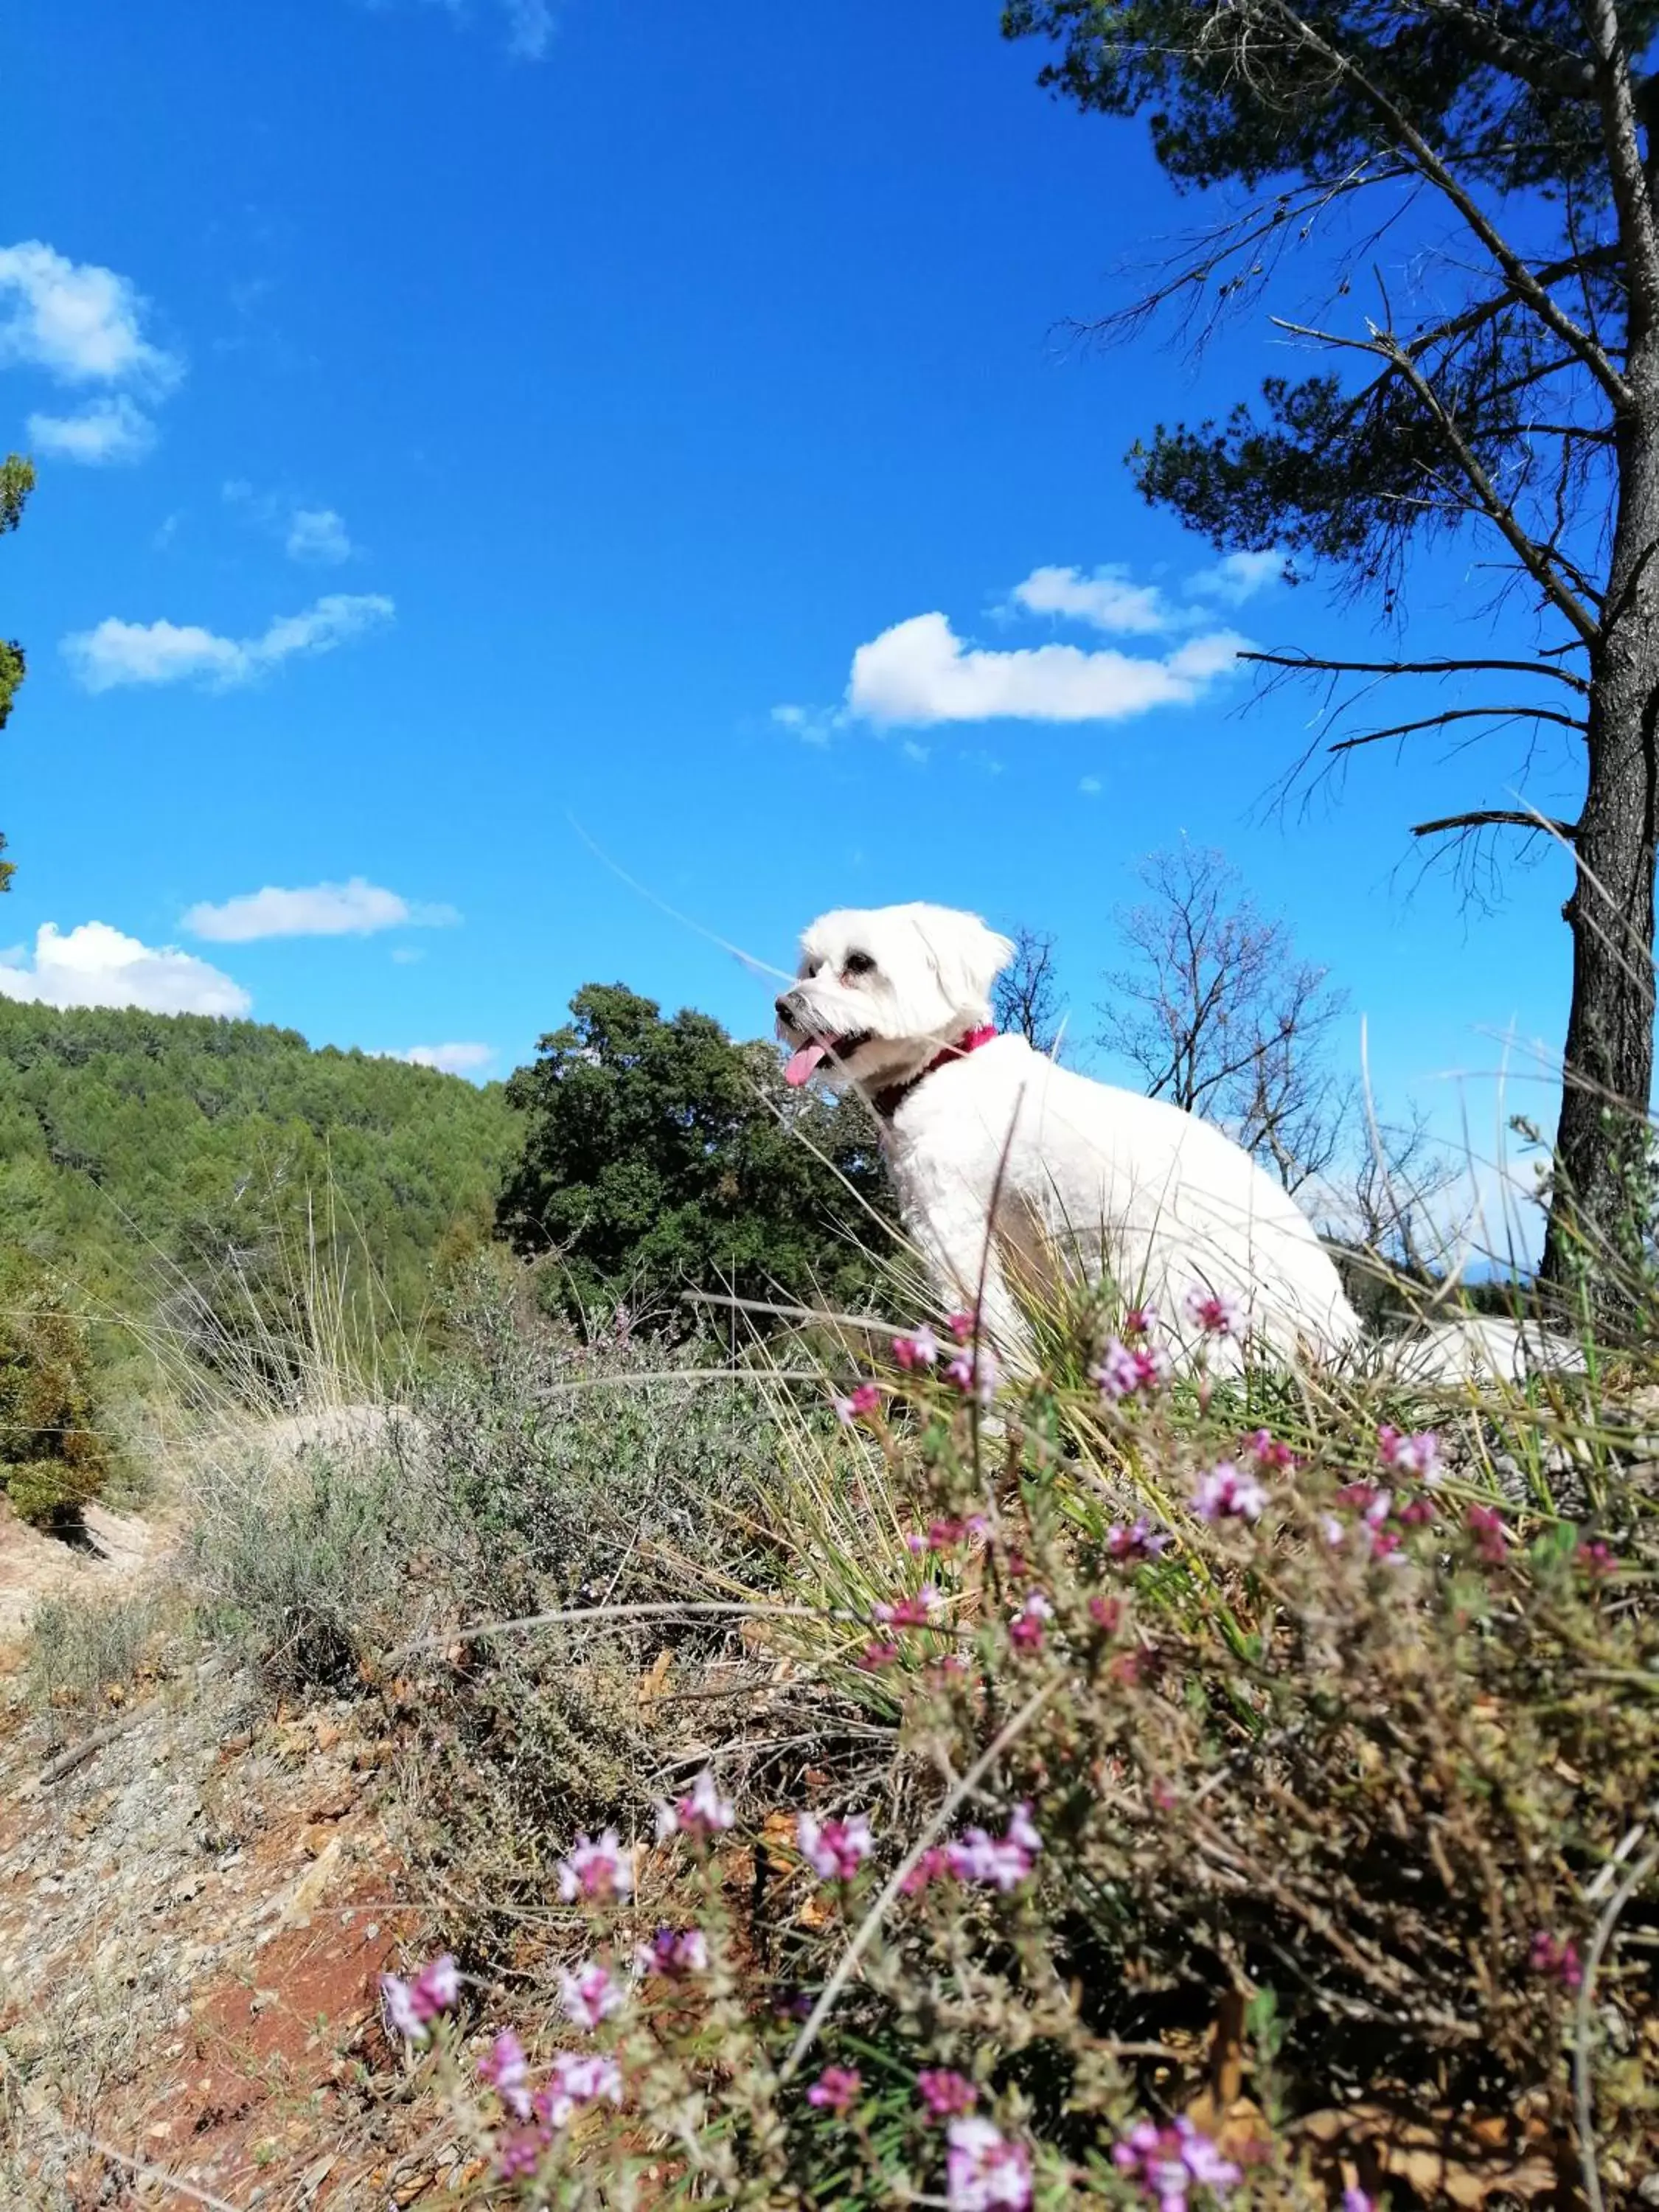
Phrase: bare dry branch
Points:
(1488, 817)
(1310, 664)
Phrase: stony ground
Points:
(196, 1895)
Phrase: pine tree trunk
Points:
(1608, 1067)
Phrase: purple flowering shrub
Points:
(1207, 1793)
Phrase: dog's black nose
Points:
(784, 1006)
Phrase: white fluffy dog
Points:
(897, 1000)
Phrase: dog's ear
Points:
(969, 957)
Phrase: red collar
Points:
(888, 1102)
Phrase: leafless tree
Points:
(1221, 1016)
(1025, 997)
(1392, 1200)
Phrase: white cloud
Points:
(96, 966)
(529, 23)
(110, 430)
(1089, 787)
(1237, 577)
(813, 725)
(1107, 600)
(356, 908)
(119, 653)
(529, 28)
(449, 1058)
(82, 323)
(318, 533)
(920, 672)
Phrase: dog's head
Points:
(882, 992)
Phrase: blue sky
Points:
(458, 422)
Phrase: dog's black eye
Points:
(857, 963)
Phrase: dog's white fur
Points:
(1083, 1173)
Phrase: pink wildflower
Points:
(946, 2095)
(1354, 2199)
(961, 1326)
(1025, 1629)
(1107, 1614)
(942, 1535)
(865, 1398)
(1412, 1455)
(835, 2088)
(411, 2007)
(1141, 1541)
(834, 1850)
(1140, 1320)
(674, 1952)
(1373, 1505)
(1217, 1313)
(975, 1371)
(1486, 1525)
(983, 2171)
(519, 2154)
(589, 1997)
(702, 1814)
(919, 1610)
(1596, 1560)
(1228, 1493)
(1271, 1456)
(1558, 1957)
(1169, 2162)
(601, 1870)
(1124, 1369)
(876, 1656)
(574, 2079)
(933, 1865)
(508, 2072)
(1001, 1862)
(921, 1350)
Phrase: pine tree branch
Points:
(1481, 311)
(1545, 68)
(1490, 817)
(1630, 184)
(1429, 165)
(1307, 663)
(1532, 556)
(1457, 714)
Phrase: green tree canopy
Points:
(1472, 188)
(16, 483)
(197, 1172)
(658, 1154)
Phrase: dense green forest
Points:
(147, 1158)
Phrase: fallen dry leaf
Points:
(1444, 2157)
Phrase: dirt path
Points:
(116, 1549)
(197, 1893)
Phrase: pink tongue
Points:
(802, 1063)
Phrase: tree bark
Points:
(1596, 1202)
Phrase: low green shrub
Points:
(80, 1647)
(295, 1558)
(55, 1453)
(1224, 1790)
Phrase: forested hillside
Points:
(142, 1155)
